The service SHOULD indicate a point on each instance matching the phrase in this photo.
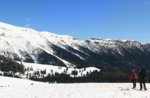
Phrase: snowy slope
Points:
(50, 68)
(18, 41)
(20, 88)
(62, 50)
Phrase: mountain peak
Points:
(49, 48)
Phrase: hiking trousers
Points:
(142, 84)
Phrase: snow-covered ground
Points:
(50, 68)
(21, 88)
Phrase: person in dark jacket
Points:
(142, 78)
(133, 77)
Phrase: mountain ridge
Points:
(61, 50)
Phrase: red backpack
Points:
(134, 75)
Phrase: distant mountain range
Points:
(33, 46)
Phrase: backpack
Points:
(134, 76)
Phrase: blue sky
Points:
(83, 19)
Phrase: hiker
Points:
(142, 78)
(133, 78)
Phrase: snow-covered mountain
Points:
(61, 50)
(33, 46)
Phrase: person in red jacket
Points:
(133, 77)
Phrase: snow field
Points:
(22, 88)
